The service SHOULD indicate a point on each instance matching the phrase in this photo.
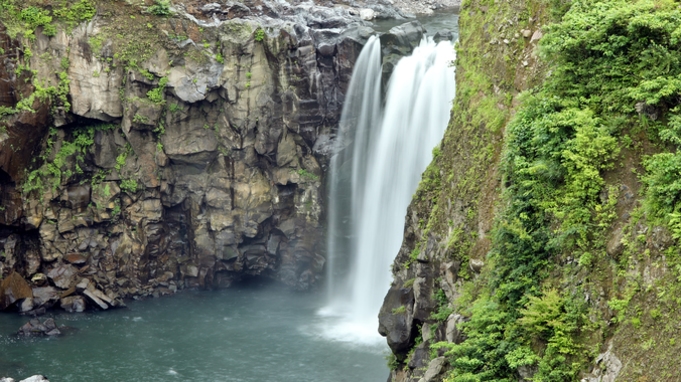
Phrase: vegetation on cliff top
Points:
(614, 86)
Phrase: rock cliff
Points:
(542, 243)
(149, 148)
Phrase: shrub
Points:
(161, 8)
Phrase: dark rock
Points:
(443, 35)
(420, 357)
(36, 328)
(395, 319)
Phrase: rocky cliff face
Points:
(141, 154)
(532, 252)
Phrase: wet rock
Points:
(26, 305)
(12, 289)
(395, 319)
(37, 328)
(96, 297)
(35, 378)
(443, 35)
(73, 304)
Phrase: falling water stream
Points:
(384, 145)
(264, 333)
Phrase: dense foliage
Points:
(615, 72)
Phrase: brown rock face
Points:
(12, 289)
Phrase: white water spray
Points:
(381, 155)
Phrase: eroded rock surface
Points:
(197, 163)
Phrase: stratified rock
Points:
(13, 288)
(219, 177)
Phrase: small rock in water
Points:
(35, 378)
(443, 35)
(36, 328)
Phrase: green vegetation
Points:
(161, 8)
(614, 69)
(24, 18)
(259, 35)
(307, 175)
(399, 310)
(66, 162)
(73, 13)
(129, 185)
(122, 158)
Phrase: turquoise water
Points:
(253, 333)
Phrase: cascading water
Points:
(381, 155)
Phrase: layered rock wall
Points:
(174, 154)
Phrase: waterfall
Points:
(380, 155)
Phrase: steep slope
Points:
(542, 242)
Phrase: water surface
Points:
(239, 334)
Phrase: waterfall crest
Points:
(380, 155)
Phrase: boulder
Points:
(435, 368)
(36, 328)
(13, 288)
(395, 319)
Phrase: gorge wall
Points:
(542, 243)
(145, 148)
